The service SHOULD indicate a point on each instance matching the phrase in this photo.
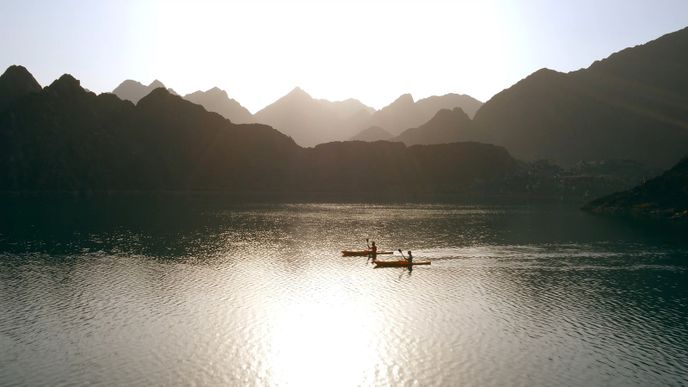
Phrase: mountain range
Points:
(217, 100)
(133, 91)
(311, 121)
(65, 138)
(632, 105)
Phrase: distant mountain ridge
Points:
(311, 121)
(406, 113)
(216, 100)
(133, 91)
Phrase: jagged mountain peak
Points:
(66, 85)
(15, 83)
(17, 73)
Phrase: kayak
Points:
(362, 253)
(400, 263)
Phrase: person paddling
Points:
(409, 260)
(373, 251)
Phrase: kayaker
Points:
(410, 257)
(373, 252)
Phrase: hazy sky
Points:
(259, 50)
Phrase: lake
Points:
(182, 292)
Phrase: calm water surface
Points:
(186, 293)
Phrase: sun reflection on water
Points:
(317, 337)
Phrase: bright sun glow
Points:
(374, 51)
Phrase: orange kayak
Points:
(362, 253)
(400, 263)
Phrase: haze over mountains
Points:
(631, 105)
(217, 100)
(133, 91)
(374, 133)
(311, 121)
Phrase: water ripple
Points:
(258, 295)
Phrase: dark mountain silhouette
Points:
(445, 127)
(217, 100)
(15, 83)
(133, 91)
(632, 105)
(404, 113)
(64, 138)
(391, 167)
(665, 196)
(374, 133)
(311, 121)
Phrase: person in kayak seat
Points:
(410, 257)
(373, 251)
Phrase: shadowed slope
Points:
(445, 127)
(632, 105)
